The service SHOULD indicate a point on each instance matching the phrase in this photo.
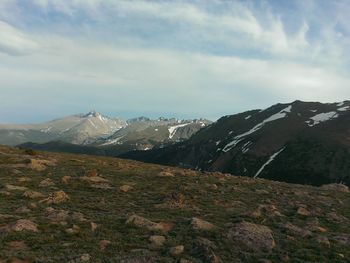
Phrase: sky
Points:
(185, 59)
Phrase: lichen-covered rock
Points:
(24, 225)
(253, 236)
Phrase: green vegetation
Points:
(88, 223)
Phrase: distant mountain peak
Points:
(92, 113)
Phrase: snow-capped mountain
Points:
(143, 133)
(77, 129)
(300, 142)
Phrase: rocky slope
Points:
(77, 129)
(76, 208)
(138, 134)
(300, 142)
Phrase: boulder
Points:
(253, 236)
(24, 225)
(202, 225)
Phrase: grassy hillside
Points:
(76, 208)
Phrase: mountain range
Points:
(299, 142)
(95, 133)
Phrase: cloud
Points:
(186, 58)
(14, 42)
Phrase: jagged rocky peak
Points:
(92, 113)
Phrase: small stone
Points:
(142, 222)
(73, 230)
(24, 179)
(323, 240)
(166, 174)
(46, 183)
(178, 250)
(104, 244)
(93, 226)
(297, 230)
(17, 245)
(303, 211)
(85, 258)
(125, 188)
(78, 216)
(33, 194)
(201, 225)
(157, 241)
(23, 210)
(11, 187)
(65, 179)
(56, 198)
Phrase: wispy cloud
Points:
(188, 58)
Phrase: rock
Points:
(73, 230)
(323, 240)
(77, 216)
(157, 241)
(343, 239)
(93, 226)
(65, 179)
(303, 211)
(104, 244)
(24, 225)
(5, 193)
(57, 215)
(56, 198)
(125, 188)
(184, 260)
(37, 165)
(177, 250)
(17, 245)
(268, 210)
(202, 225)
(336, 187)
(334, 217)
(46, 183)
(11, 187)
(33, 194)
(204, 250)
(297, 230)
(142, 222)
(255, 237)
(93, 177)
(85, 257)
(23, 210)
(104, 186)
(24, 179)
(166, 174)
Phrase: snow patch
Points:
(113, 141)
(272, 157)
(281, 114)
(341, 103)
(245, 147)
(172, 129)
(248, 117)
(343, 108)
(322, 117)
